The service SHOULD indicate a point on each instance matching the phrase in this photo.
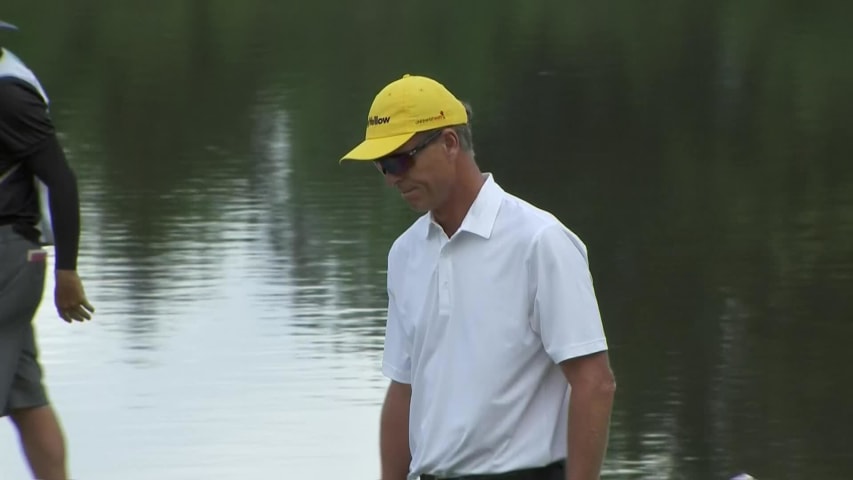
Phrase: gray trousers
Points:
(22, 271)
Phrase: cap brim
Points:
(375, 148)
(7, 26)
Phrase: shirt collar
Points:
(480, 219)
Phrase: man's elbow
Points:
(601, 386)
(591, 374)
(607, 386)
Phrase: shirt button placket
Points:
(444, 280)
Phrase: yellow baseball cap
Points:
(403, 108)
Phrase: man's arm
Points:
(394, 449)
(48, 163)
(590, 404)
(394, 432)
(567, 316)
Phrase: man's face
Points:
(423, 169)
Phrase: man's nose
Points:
(391, 180)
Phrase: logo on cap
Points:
(440, 116)
(377, 120)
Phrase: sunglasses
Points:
(399, 163)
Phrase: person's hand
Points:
(70, 299)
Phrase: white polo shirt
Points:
(477, 324)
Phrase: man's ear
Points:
(450, 141)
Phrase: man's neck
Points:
(454, 210)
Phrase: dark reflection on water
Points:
(699, 148)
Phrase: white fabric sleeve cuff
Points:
(561, 355)
(396, 374)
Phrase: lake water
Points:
(700, 149)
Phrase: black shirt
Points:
(27, 136)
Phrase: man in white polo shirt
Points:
(494, 343)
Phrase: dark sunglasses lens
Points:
(395, 165)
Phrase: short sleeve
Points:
(25, 123)
(565, 309)
(396, 358)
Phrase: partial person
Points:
(39, 206)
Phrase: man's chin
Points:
(416, 207)
(415, 201)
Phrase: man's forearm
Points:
(588, 429)
(395, 454)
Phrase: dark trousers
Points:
(554, 471)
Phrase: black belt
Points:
(553, 471)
